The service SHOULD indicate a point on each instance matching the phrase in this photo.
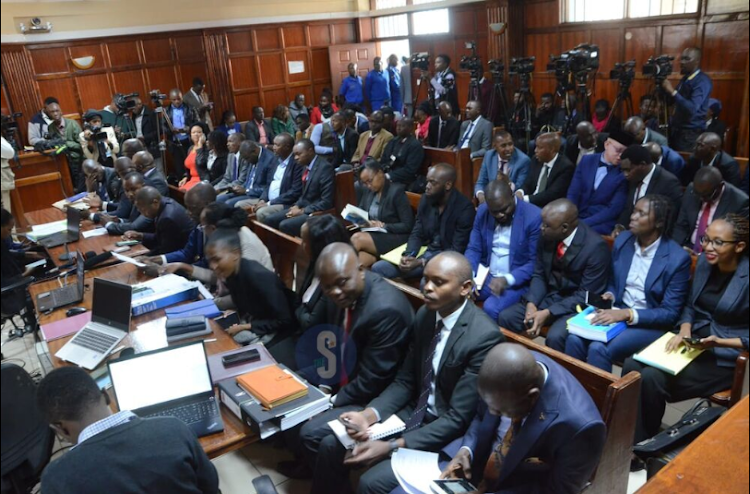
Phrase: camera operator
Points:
(99, 143)
(444, 82)
(117, 115)
(41, 121)
(691, 101)
(544, 118)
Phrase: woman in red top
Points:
(198, 138)
(422, 116)
(324, 110)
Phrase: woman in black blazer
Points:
(389, 209)
(717, 314)
(212, 162)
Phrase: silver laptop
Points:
(110, 323)
(170, 382)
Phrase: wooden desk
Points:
(717, 461)
(147, 332)
(41, 179)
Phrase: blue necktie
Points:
(466, 135)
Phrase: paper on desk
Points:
(96, 232)
(49, 228)
(127, 259)
(62, 204)
(415, 470)
(481, 277)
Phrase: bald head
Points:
(147, 194)
(132, 146)
(559, 220)
(654, 150)
(547, 146)
(143, 161)
(453, 264)
(198, 197)
(510, 380)
(445, 172)
(586, 133)
(91, 167)
(707, 146)
(708, 175)
(123, 166)
(447, 282)
(341, 275)
(635, 127)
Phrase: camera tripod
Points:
(523, 111)
(498, 102)
(661, 102)
(623, 97)
(423, 79)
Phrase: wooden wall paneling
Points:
(272, 69)
(542, 14)
(244, 103)
(365, 30)
(62, 88)
(157, 50)
(463, 23)
(297, 56)
(640, 44)
(123, 53)
(49, 60)
(94, 91)
(272, 98)
(23, 96)
(240, 41)
(268, 38)
(743, 134)
(320, 66)
(293, 91)
(162, 78)
(319, 35)
(131, 81)
(188, 71)
(610, 42)
(294, 36)
(243, 71)
(542, 46)
(727, 91)
(727, 43)
(571, 39)
(674, 39)
(88, 50)
(189, 47)
(5, 100)
(217, 64)
(344, 33)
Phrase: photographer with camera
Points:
(40, 122)
(691, 101)
(444, 82)
(99, 143)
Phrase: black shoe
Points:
(636, 464)
(295, 469)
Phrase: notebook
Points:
(272, 386)
(382, 430)
(65, 327)
(656, 355)
(394, 256)
(580, 325)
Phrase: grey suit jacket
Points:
(481, 140)
(654, 136)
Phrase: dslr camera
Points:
(420, 61)
(98, 134)
(658, 67)
(524, 65)
(583, 58)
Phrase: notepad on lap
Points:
(390, 427)
(272, 386)
(656, 355)
(394, 256)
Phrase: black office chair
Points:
(16, 301)
(264, 485)
(27, 440)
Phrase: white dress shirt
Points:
(104, 424)
(635, 286)
(714, 206)
(640, 193)
(582, 151)
(275, 188)
(569, 240)
(448, 323)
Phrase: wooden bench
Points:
(414, 200)
(284, 249)
(177, 194)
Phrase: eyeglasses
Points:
(716, 242)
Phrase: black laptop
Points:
(69, 294)
(172, 382)
(68, 236)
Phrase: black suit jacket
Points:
(451, 231)
(571, 146)
(157, 180)
(733, 200)
(252, 132)
(558, 182)
(380, 330)
(395, 210)
(728, 167)
(472, 337)
(662, 183)
(351, 141)
(216, 173)
(586, 267)
(172, 228)
(291, 183)
(319, 189)
(449, 136)
(149, 129)
(402, 160)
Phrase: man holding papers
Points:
(172, 225)
(434, 392)
(537, 429)
(717, 315)
(649, 284)
(504, 239)
(444, 221)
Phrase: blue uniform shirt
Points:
(351, 90)
(691, 101)
(377, 89)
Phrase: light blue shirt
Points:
(500, 258)
(178, 121)
(104, 424)
(275, 188)
(601, 173)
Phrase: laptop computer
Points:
(71, 233)
(110, 323)
(69, 294)
(171, 382)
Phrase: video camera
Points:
(581, 59)
(658, 67)
(623, 71)
(157, 97)
(497, 67)
(10, 127)
(124, 102)
(472, 63)
(98, 134)
(524, 65)
(420, 61)
(48, 142)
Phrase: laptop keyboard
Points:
(94, 340)
(192, 412)
(64, 296)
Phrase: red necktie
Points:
(305, 174)
(348, 316)
(702, 227)
(560, 250)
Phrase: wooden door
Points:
(340, 56)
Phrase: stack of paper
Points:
(394, 256)
(415, 470)
(162, 292)
(46, 229)
(481, 276)
(272, 386)
(656, 355)
(75, 202)
(580, 325)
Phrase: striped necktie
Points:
(428, 374)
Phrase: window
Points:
(431, 21)
(389, 4)
(392, 26)
(421, 2)
(597, 10)
(399, 47)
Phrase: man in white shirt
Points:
(286, 182)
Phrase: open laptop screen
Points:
(160, 376)
(80, 273)
(74, 220)
(111, 305)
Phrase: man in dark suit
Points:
(335, 140)
(550, 172)
(102, 181)
(318, 189)
(585, 141)
(258, 160)
(182, 116)
(172, 224)
(476, 131)
(707, 198)
(667, 158)
(504, 240)
(258, 129)
(117, 206)
(599, 188)
(145, 165)
(537, 429)
(443, 132)
(403, 154)
(708, 152)
(131, 184)
(144, 119)
(375, 316)
(641, 133)
(285, 180)
(572, 259)
(444, 221)
(645, 178)
(746, 181)
(433, 391)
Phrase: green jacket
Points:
(70, 134)
(280, 127)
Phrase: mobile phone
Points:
(691, 341)
(454, 486)
(235, 359)
(598, 301)
(126, 243)
(529, 323)
(228, 320)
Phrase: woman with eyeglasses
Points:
(716, 315)
(648, 286)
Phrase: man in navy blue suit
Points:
(504, 239)
(667, 158)
(599, 188)
(505, 158)
(537, 429)
(259, 160)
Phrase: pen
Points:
(210, 340)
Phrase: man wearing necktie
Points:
(537, 428)
(504, 160)
(599, 188)
(434, 392)
(444, 128)
(476, 131)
